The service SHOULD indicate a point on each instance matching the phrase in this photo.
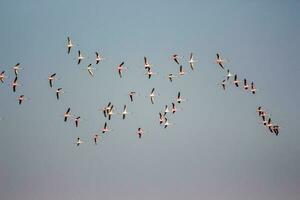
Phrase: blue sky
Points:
(216, 149)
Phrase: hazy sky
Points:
(217, 147)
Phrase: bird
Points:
(15, 84)
(96, 138)
(105, 128)
(171, 76)
(229, 75)
(220, 61)
(152, 95)
(264, 121)
(51, 79)
(77, 119)
(140, 132)
(146, 64)
(106, 109)
(150, 73)
(236, 81)
(16, 69)
(98, 58)
(110, 112)
(276, 129)
(80, 57)
(253, 88)
(175, 58)
(58, 91)
(90, 68)
(131, 94)
(21, 99)
(79, 141)
(192, 61)
(167, 123)
(125, 112)
(246, 86)
(120, 69)
(181, 71)
(2, 76)
(161, 118)
(223, 84)
(166, 110)
(69, 44)
(179, 99)
(259, 110)
(174, 109)
(67, 114)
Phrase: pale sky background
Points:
(216, 148)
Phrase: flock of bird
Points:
(109, 110)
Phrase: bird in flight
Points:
(67, 114)
(77, 119)
(181, 71)
(58, 92)
(152, 95)
(15, 84)
(150, 73)
(179, 99)
(120, 69)
(79, 141)
(21, 99)
(90, 68)
(236, 81)
(2, 76)
(175, 57)
(223, 84)
(80, 57)
(96, 139)
(220, 61)
(140, 132)
(69, 45)
(253, 88)
(51, 78)
(229, 75)
(192, 61)
(147, 64)
(125, 112)
(171, 76)
(131, 94)
(246, 86)
(16, 69)
(105, 128)
(161, 118)
(98, 58)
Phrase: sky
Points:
(216, 147)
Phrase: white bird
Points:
(98, 58)
(192, 61)
(229, 74)
(16, 69)
(110, 112)
(166, 110)
(150, 73)
(152, 95)
(223, 84)
(2, 76)
(167, 123)
(90, 68)
(69, 45)
(80, 57)
(125, 112)
(79, 141)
